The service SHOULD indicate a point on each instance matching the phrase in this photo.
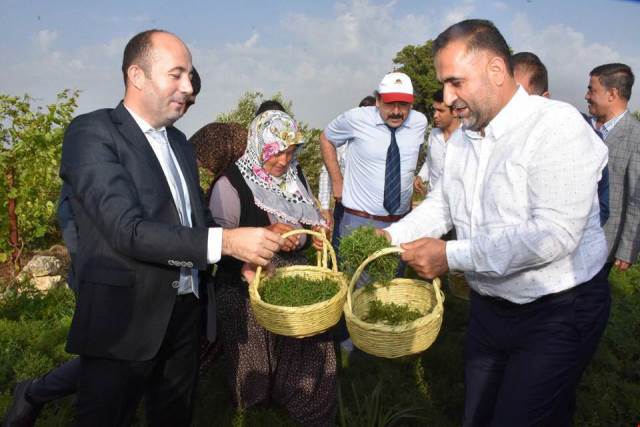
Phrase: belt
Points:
(383, 218)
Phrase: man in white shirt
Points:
(445, 123)
(384, 142)
(519, 187)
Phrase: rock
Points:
(44, 283)
(42, 265)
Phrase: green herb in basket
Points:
(296, 291)
(390, 313)
(357, 246)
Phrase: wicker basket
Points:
(389, 341)
(458, 285)
(307, 320)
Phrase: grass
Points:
(296, 291)
(427, 389)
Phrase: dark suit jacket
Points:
(131, 240)
(623, 225)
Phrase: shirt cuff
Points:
(214, 245)
(395, 239)
(459, 255)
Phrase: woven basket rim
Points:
(434, 314)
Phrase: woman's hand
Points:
(318, 242)
(290, 243)
(248, 271)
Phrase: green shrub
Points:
(33, 331)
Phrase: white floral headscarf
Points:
(285, 197)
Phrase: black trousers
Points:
(110, 390)
(523, 363)
(338, 213)
(58, 383)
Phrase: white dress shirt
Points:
(522, 199)
(365, 161)
(214, 236)
(324, 182)
(434, 162)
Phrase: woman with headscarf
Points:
(266, 188)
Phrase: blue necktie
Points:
(392, 176)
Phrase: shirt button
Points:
(175, 284)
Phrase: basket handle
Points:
(321, 256)
(377, 254)
(374, 256)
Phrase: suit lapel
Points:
(130, 130)
(177, 145)
(132, 133)
(616, 138)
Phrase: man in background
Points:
(383, 146)
(324, 186)
(608, 96)
(445, 123)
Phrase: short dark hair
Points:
(531, 64)
(615, 76)
(196, 83)
(438, 96)
(270, 104)
(137, 51)
(479, 34)
(368, 101)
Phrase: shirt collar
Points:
(142, 124)
(609, 125)
(507, 118)
(510, 114)
(379, 121)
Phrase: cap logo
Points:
(398, 81)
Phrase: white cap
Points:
(396, 87)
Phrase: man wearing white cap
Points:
(384, 142)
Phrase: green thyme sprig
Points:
(361, 243)
(390, 313)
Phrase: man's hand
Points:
(427, 256)
(419, 186)
(336, 188)
(290, 243)
(251, 244)
(621, 265)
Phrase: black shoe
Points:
(22, 412)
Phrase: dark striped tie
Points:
(392, 176)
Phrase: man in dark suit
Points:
(146, 238)
(608, 95)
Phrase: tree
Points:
(29, 163)
(417, 63)
(248, 103)
(309, 157)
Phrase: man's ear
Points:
(136, 76)
(497, 70)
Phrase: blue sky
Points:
(322, 55)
